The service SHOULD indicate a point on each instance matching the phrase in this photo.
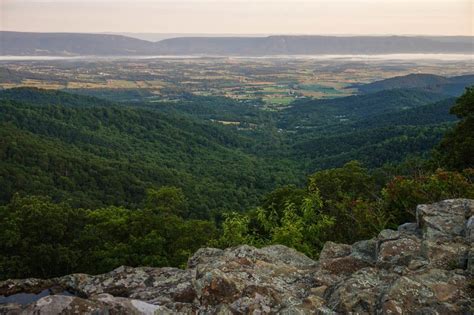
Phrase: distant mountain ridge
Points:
(70, 44)
(453, 86)
(77, 44)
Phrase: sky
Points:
(373, 17)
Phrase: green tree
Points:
(352, 180)
(235, 231)
(457, 147)
(350, 195)
(402, 194)
(38, 237)
(295, 220)
(167, 199)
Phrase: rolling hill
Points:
(94, 152)
(428, 82)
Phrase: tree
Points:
(167, 199)
(352, 180)
(403, 193)
(38, 237)
(457, 147)
(292, 219)
(235, 231)
(350, 195)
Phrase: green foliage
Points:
(306, 228)
(351, 180)
(94, 153)
(167, 199)
(37, 237)
(404, 193)
(95, 156)
(457, 147)
(295, 220)
(112, 174)
(235, 231)
(349, 195)
(40, 238)
(344, 205)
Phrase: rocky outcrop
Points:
(421, 268)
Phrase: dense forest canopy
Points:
(94, 152)
(88, 184)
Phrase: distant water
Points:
(27, 298)
(401, 57)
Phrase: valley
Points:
(274, 82)
(149, 160)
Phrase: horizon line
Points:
(233, 34)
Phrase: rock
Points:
(57, 304)
(344, 265)
(161, 286)
(436, 290)
(128, 306)
(365, 250)
(248, 279)
(359, 292)
(408, 228)
(286, 255)
(451, 255)
(334, 250)
(101, 304)
(470, 230)
(204, 255)
(421, 268)
(11, 309)
(470, 261)
(31, 285)
(399, 251)
(445, 219)
(388, 235)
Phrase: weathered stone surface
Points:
(359, 293)
(101, 304)
(10, 309)
(422, 268)
(408, 228)
(399, 251)
(445, 219)
(57, 304)
(334, 250)
(344, 265)
(449, 255)
(365, 250)
(470, 261)
(161, 286)
(437, 290)
(31, 285)
(247, 279)
(470, 230)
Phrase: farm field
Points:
(276, 83)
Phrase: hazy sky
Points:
(446, 17)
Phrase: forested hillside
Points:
(88, 185)
(93, 152)
(100, 155)
(429, 82)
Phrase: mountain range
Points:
(77, 44)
